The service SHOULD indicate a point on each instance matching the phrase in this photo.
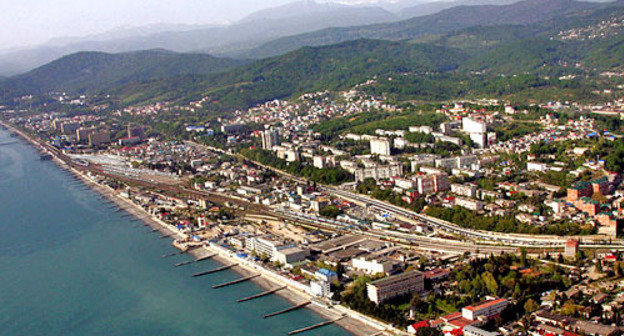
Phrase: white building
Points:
(400, 143)
(470, 204)
(473, 126)
(477, 131)
(263, 246)
(404, 183)
(378, 172)
(380, 146)
(467, 190)
(537, 166)
(486, 309)
(291, 155)
(318, 161)
(372, 266)
(320, 288)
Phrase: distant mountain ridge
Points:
(310, 7)
(521, 13)
(434, 7)
(96, 70)
(222, 40)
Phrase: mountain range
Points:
(521, 13)
(421, 60)
(85, 71)
(234, 40)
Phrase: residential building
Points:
(136, 131)
(232, 128)
(82, 134)
(326, 275)
(578, 190)
(270, 138)
(571, 248)
(379, 172)
(397, 285)
(380, 146)
(474, 205)
(99, 138)
(432, 183)
(486, 309)
(320, 288)
(69, 127)
(467, 190)
(263, 246)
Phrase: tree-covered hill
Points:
(86, 71)
(308, 69)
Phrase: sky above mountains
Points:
(29, 22)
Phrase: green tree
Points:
(428, 331)
(530, 306)
(490, 282)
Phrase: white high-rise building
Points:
(270, 138)
(380, 146)
(477, 131)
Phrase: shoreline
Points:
(353, 322)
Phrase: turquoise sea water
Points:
(71, 265)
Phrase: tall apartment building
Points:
(99, 138)
(232, 128)
(380, 146)
(69, 127)
(82, 134)
(136, 131)
(391, 287)
(571, 248)
(587, 189)
(270, 138)
(477, 131)
(432, 183)
(468, 190)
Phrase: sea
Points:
(71, 265)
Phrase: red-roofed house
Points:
(412, 329)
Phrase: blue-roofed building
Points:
(326, 275)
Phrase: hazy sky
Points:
(27, 22)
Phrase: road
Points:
(509, 239)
